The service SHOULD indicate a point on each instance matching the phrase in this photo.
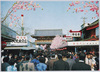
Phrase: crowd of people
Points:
(68, 61)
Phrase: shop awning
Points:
(21, 48)
(28, 48)
(81, 43)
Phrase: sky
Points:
(53, 16)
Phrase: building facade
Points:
(45, 36)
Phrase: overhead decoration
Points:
(58, 42)
(20, 5)
(84, 6)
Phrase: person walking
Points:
(60, 64)
(5, 64)
(27, 65)
(19, 62)
(41, 66)
(35, 60)
(51, 61)
(81, 64)
(11, 67)
(70, 61)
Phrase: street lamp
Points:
(22, 28)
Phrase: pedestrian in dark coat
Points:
(5, 64)
(70, 61)
(50, 62)
(60, 64)
(81, 64)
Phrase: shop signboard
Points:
(75, 33)
(68, 38)
(20, 41)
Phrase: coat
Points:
(81, 66)
(60, 65)
(70, 62)
(50, 63)
(27, 66)
(4, 66)
(41, 67)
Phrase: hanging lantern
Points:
(22, 15)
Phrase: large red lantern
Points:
(3, 44)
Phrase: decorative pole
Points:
(83, 19)
(22, 28)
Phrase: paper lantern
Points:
(3, 44)
(22, 15)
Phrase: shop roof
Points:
(47, 32)
(95, 23)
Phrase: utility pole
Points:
(22, 28)
(83, 19)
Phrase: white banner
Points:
(83, 43)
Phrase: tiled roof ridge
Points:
(93, 23)
(46, 29)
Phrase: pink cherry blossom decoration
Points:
(10, 17)
(10, 24)
(15, 10)
(12, 21)
(97, 2)
(14, 15)
(34, 9)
